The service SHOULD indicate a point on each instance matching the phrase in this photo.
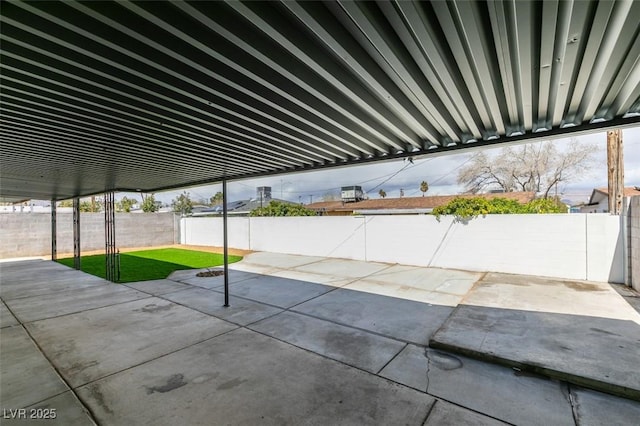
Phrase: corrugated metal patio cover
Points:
(103, 96)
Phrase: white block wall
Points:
(572, 246)
(410, 240)
(206, 231)
(634, 242)
(342, 237)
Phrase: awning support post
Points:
(76, 233)
(225, 243)
(110, 237)
(54, 231)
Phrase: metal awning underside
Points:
(100, 96)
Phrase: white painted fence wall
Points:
(573, 246)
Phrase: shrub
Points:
(465, 209)
(277, 208)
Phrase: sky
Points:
(439, 171)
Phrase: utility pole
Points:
(615, 170)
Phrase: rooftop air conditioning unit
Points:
(350, 194)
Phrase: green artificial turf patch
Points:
(148, 265)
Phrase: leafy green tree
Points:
(277, 208)
(182, 204)
(382, 193)
(65, 203)
(424, 187)
(216, 200)
(149, 204)
(92, 206)
(125, 204)
(545, 205)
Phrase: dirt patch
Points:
(210, 274)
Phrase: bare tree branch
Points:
(536, 167)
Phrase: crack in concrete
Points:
(426, 354)
(573, 402)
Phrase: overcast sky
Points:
(440, 172)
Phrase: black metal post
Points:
(110, 236)
(54, 231)
(225, 245)
(76, 233)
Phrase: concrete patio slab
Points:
(497, 391)
(538, 294)
(574, 348)
(243, 377)
(157, 287)
(431, 279)
(6, 317)
(159, 360)
(278, 260)
(405, 320)
(66, 408)
(402, 291)
(254, 268)
(445, 414)
(53, 305)
(280, 292)
(428, 285)
(15, 269)
(88, 345)
(23, 271)
(342, 267)
(357, 348)
(48, 283)
(568, 330)
(596, 408)
(241, 311)
(26, 376)
(327, 279)
(410, 368)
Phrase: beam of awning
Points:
(103, 96)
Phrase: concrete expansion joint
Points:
(424, 422)
(87, 409)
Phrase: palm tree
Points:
(382, 194)
(424, 187)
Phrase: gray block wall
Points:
(634, 243)
(29, 234)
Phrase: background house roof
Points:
(600, 194)
(405, 203)
(100, 96)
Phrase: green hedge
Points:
(465, 209)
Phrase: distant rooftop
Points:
(411, 203)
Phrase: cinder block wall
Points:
(573, 246)
(29, 234)
(634, 242)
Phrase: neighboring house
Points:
(236, 208)
(599, 200)
(404, 205)
(241, 207)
